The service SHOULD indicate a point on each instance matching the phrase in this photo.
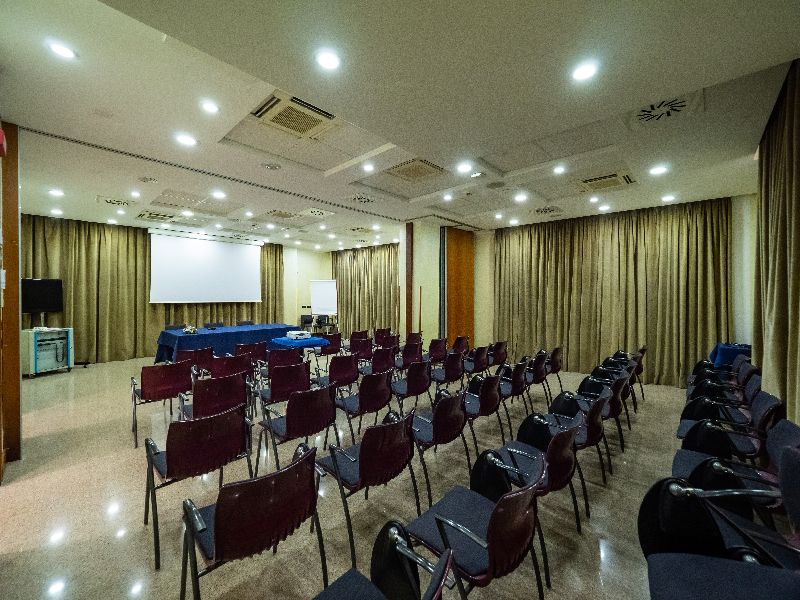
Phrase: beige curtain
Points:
(106, 277)
(776, 322)
(599, 284)
(368, 282)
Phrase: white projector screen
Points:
(184, 270)
(323, 297)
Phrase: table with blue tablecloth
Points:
(311, 342)
(222, 339)
(723, 354)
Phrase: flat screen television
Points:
(42, 296)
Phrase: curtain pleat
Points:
(776, 305)
(367, 281)
(105, 271)
(655, 276)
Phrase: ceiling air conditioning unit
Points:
(619, 178)
(292, 115)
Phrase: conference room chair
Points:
(356, 335)
(416, 382)
(382, 361)
(437, 351)
(391, 341)
(242, 323)
(627, 366)
(333, 347)
(381, 335)
(361, 348)
(461, 345)
(412, 353)
(306, 321)
(482, 399)
(590, 390)
(610, 379)
(214, 395)
(723, 372)
(638, 357)
(451, 372)
(476, 362)
(200, 357)
(536, 374)
(285, 381)
(489, 540)
(307, 414)
(208, 325)
(715, 407)
(281, 358)
(194, 448)
(159, 382)
(324, 322)
(554, 363)
(230, 365)
(342, 373)
(498, 353)
(373, 395)
(440, 427)
(259, 356)
(383, 453)
(414, 338)
(176, 327)
(249, 517)
(512, 385)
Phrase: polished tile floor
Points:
(71, 510)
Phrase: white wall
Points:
(426, 274)
(299, 268)
(484, 288)
(743, 230)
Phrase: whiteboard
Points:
(323, 297)
(184, 270)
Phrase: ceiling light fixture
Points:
(185, 139)
(317, 247)
(266, 240)
(322, 226)
(57, 587)
(340, 243)
(332, 236)
(286, 235)
(120, 212)
(328, 60)
(62, 50)
(136, 589)
(498, 216)
(270, 226)
(593, 199)
(448, 197)
(58, 193)
(605, 207)
(210, 107)
(218, 225)
(57, 536)
(369, 167)
(165, 226)
(464, 168)
(513, 221)
(187, 213)
(248, 214)
(559, 170)
(375, 243)
(520, 197)
(219, 195)
(376, 227)
(297, 242)
(660, 170)
(112, 221)
(358, 245)
(667, 198)
(56, 211)
(135, 194)
(271, 166)
(584, 71)
(396, 240)
(377, 237)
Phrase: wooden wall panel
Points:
(409, 278)
(460, 285)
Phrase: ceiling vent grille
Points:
(666, 111)
(315, 212)
(294, 116)
(114, 201)
(361, 198)
(360, 230)
(154, 217)
(416, 169)
(549, 210)
(495, 185)
(279, 214)
(606, 182)
(177, 200)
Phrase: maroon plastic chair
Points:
(342, 372)
(477, 361)
(412, 353)
(553, 365)
(334, 346)
(391, 342)
(452, 372)
(417, 381)
(437, 351)
(361, 349)
(498, 353)
(231, 365)
(213, 396)
(281, 358)
(382, 361)
(590, 390)
(194, 448)
(356, 335)
(175, 327)
(286, 380)
(374, 394)
(536, 374)
(442, 426)
(482, 399)
(259, 355)
(488, 540)
(461, 345)
(383, 453)
(159, 382)
(307, 414)
(516, 386)
(381, 335)
(249, 517)
(413, 338)
(201, 358)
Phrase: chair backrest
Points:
(374, 392)
(255, 514)
(218, 324)
(763, 410)
(288, 379)
(416, 338)
(175, 327)
(322, 321)
(343, 370)
(382, 334)
(306, 320)
(480, 359)
(453, 366)
(334, 343)
(746, 372)
(412, 353)
(160, 382)
(202, 445)
(449, 417)
(594, 421)
(737, 363)
(538, 367)
(382, 360)
(359, 335)
(439, 577)
(510, 532)
(790, 483)
(385, 451)
(418, 378)
(201, 357)
(310, 411)
(489, 395)
(752, 388)
(230, 365)
(241, 323)
(499, 352)
(555, 359)
(461, 345)
(218, 394)
(361, 348)
(560, 459)
(283, 358)
(437, 350)
(784, 434)
(391, 341)
(257, 351)
(518, 381)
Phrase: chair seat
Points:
(160, 463)
(473, 404)
(321, 381)
(686, 461)
(138, 393)
(400, 387)
(398, 362)
(349, 586)
(557, 422)
(205, 539)
(586, 403)
(365, 369)
(467, 508)
(264, 373)
(438, 375)
(278, 426)
(347, 469)
(469, 365)
(684, 426)
(505, 388)
(422, 431)
(744, 445)
(348, 403)
(533, 468)
(188, 411)
(732, 539)
(266, 394)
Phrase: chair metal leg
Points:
(347, 519)
(633, 399)
(583, 485)
(258, 450)
(416, 491)
(545, 562)
(546, 397)
(508, 418)
(561, 387)
(321, 544)
(602, 466)
(350, 423)
(425, 472)
(249, 466)
(619, 431)
(474, 439)
(221, 474)
(275, 450)
(502, 433)
(641, 389)
(466, 449)
(575, 507)
(360, 418)
(549, 393)
(608, 455)
(189, 548)
(627, 416)
(536, 570)
(135, 427)
(525, 403)
(184, 560)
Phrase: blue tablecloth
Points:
(222, 339)
(312, 342)
(723, 354)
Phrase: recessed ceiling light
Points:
(498, 216)
(395, 240)
(135, 194)
(584, 71)
(248, 214)
(217, 225)
(340, 243)
(56, 211)
(120, 212)
(604, 207)
(112, 221)
(286, 235)
(376, 227)
(464, 168)
(62, 50)
(513, 221)
(187, 213)
(121, 533)
(56, 193)
(369, 167)
(377, 237)
(57, 587)
(219, 195)
(322, 226)
(375, 243)
(266, 240)
(667, 198)
(660, 170)
(520, 197)
(477, 174)
(332, 236)
(593, 199)
(448, 197)
(297, 242)
(57, 536)
(136, 589)
(358, 245)
(317, 247)
(113, 508)
(165, 226)
(327, 60)
(210, 107)
(270, 226)
(559, 170)
(185, 139)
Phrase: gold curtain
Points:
(656, 276)
(776, 306)
(368, 282)
(105, 271)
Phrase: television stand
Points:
(43, 350)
